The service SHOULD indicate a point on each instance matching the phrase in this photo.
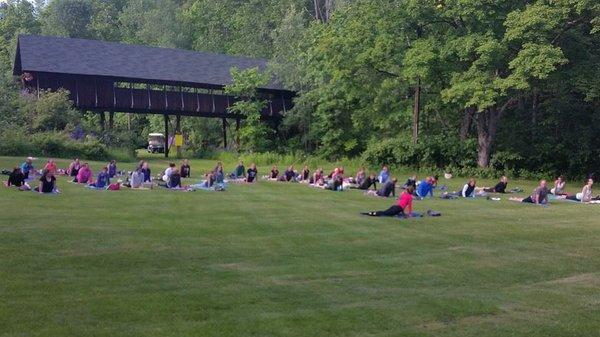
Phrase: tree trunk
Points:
(416, 112)
(465, 125)
(487, 126)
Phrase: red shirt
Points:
(405, 202)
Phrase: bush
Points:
(56, 144)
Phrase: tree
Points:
(254, 134)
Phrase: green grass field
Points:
(276, 259)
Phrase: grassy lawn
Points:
(275, 259)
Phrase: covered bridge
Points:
(114, 77)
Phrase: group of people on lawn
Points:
(171, 177)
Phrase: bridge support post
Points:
(178, 132)
(111, 120)
(224, 133)
(102, 121)
(166, 136)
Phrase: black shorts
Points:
(528, 200)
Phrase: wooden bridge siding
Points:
(100, 94)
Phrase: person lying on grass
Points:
(586, 193)
(251, 174)
(499, 188)
(103, 179)
(84, 175)
(538, 197)
(403, 206)
(47, 183)
(385, 190)
(559, 186)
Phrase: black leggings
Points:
(394, 210)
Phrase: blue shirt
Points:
(112, 170)
(384, 176)
(103, 180)
(424, 188)
(26, 168)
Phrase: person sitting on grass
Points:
(559, 186)
(27, 167)
(47, 183)
(251, 174)
(137, 178)
(425, 188)
(85, 174)
(51, 166)
(17, 179)
(384, 175)
(360, 177)
(239, 172)
(112, 169)
(146, 171)
(369, 181)
(317, 178)
(385, 190)
(586, 193)
(218, 175)
(500, 186)
(468, 190)
(185, 170)
(274, 173)
(103, 179)
(538, 197)
(411, 181)
(336, 183)
(304, 175)
(168, 171)
(174, 179)
(73, 168)
(289, 174)
(402, 208)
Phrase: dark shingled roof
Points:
(100, 58)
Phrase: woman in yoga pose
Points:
(85, 174)
(47, 183)
(468, 190)
(586, 193)
(403, 207)
(274, 173)
(538, 197)
(73, 168)
(185, 169)
(500, 186)
(251, 174)
(559, 186)
(103, 179)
